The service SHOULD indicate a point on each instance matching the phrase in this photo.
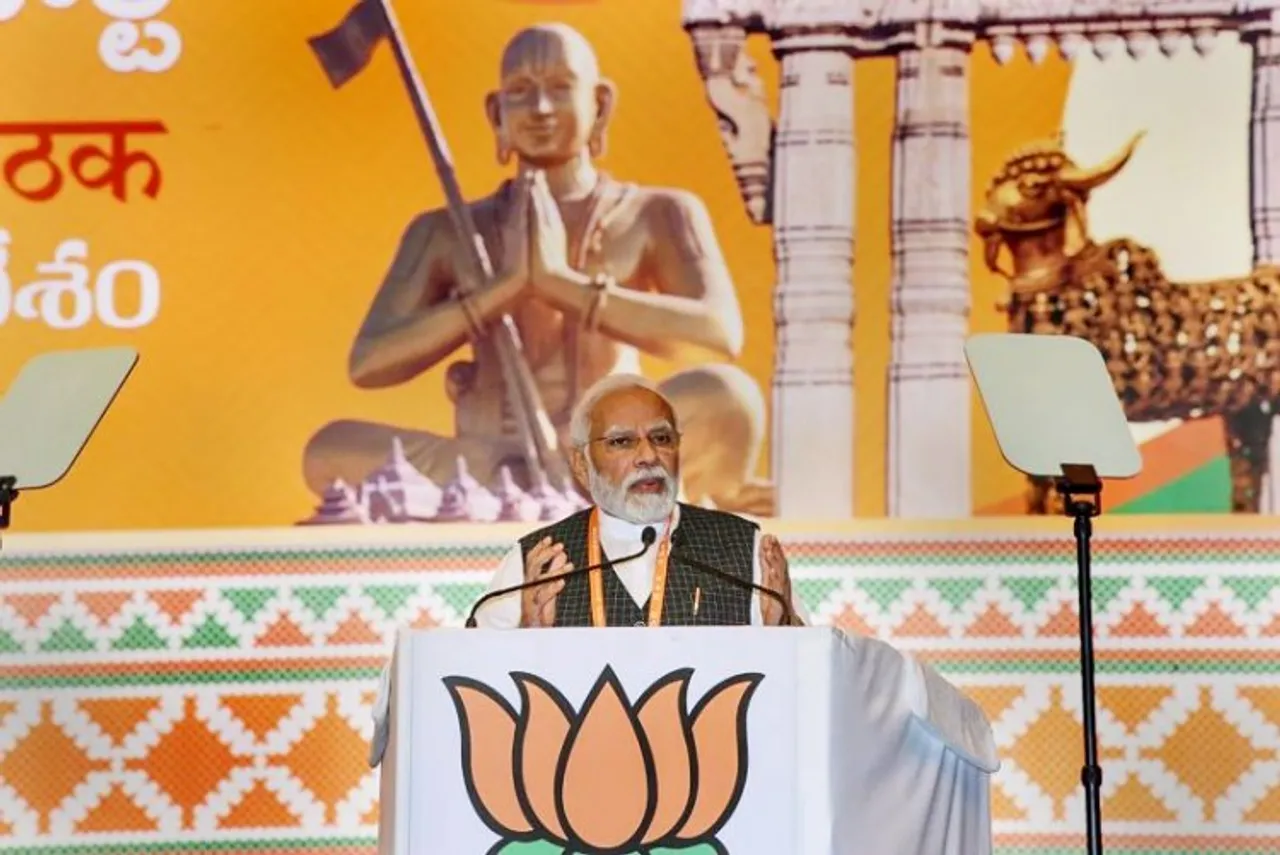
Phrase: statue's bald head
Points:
(554, 45)
(552, 105)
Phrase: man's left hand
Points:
(776, 576)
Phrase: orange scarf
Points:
(596, 579)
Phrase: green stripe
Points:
(1148, 553)
(222, 554)
(280, 674)
(1204, 490)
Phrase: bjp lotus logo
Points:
(614, 778)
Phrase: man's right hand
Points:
(538, 604)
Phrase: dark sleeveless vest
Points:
(723, 540)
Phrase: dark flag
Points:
(345, 50)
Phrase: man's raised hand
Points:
(538, 604)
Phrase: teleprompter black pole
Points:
(8, 493)
(1081, 492)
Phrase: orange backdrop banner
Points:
(205, 194)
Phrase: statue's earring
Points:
(598, 141)
(504, 148)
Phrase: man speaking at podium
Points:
(638, 557)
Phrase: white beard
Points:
(617, 500)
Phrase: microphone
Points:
(647, 537)
(788, 614)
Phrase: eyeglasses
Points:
(662, 439)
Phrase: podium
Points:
(675, 741)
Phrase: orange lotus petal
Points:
(606, 791)
(488, 741)
(662, 718)
(541, 736)
(720, 752)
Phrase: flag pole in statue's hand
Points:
(343, 53)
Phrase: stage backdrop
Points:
(185, 179)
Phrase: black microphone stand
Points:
(1081, 492)
(787, 612)
(647, 537)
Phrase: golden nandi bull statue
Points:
(1175, 350)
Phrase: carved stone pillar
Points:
(814, 198)
(1264, 193)
(928, 389)
(736, 94)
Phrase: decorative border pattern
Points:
(215, 696)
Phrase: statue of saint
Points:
(588, 267)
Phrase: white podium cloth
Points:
(855, 747)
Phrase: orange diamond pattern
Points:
(1208, 773)
(1040, 752)
(188, 762)
(312, 758)
(47, 766)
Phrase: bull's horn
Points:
(1085, 180)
